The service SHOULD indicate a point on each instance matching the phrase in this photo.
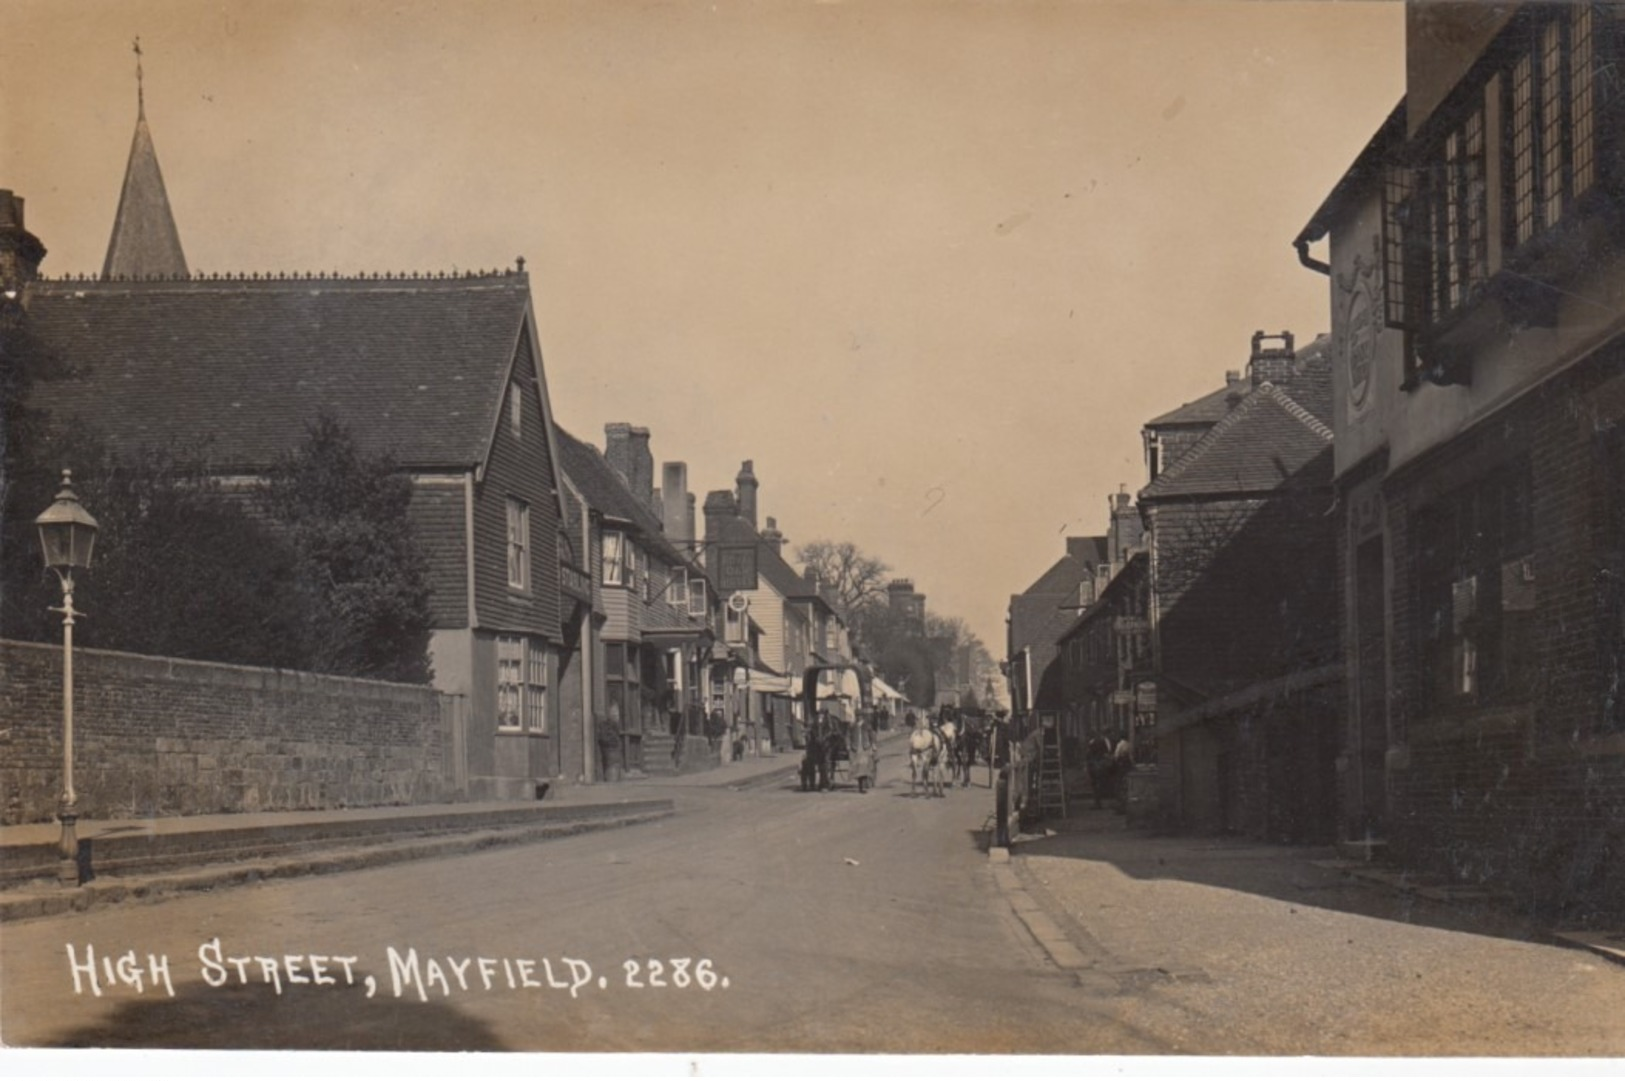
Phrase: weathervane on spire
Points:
(140, 91)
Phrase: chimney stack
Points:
(719, 506)
(1127, 530)
(746, 484)
(20, 251)
(1271, 365)
(627, 450)
(772, 536)
(675, 501)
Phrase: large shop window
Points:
(1476, 593)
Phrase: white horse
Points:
(950, 749)
(926, 752)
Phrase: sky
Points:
(929, 265)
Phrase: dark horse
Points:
(824, 741)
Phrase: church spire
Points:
(145, 242)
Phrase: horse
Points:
(953, 745)
(926, 752)
(815, 761)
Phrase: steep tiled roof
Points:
(606, 493)
(1310, 383)
(1208, 409)
(1267, 442)
(1041, 614)
(413, 367)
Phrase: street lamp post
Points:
(67, 534)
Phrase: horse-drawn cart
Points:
(840, 727)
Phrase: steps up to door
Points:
(657, 754)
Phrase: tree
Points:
(859, 580)
(363, 578)
(181, 569)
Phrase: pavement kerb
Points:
(1045, 931)
(52, 900)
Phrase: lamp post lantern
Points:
(67, 534)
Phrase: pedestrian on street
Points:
(1122, 765)
(1097, 757)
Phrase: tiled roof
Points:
(1310, 383)
(413, 367)
(1042, 613)
(1208, 409)
(606, 493)
(1267, 442)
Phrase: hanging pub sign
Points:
(736, 568)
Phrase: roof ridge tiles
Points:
(1265, 391)
(197, 276)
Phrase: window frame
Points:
(533, 705)
(612, 564)
(1472, 546)
(518, 544)
(510, 677)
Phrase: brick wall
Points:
(1259, 763)
(1527, 796)
(157, 736)
(1245, 588)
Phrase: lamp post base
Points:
(68, 850)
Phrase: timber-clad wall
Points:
(439, 520)
(522, 469)
(159, 736)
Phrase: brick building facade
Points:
(1478, 314)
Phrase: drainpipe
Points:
(589, 737)
(1302, 244)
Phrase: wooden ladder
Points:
(1051, 780)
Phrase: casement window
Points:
(518, 544)
(614, 571)
(521, 685)
(696, 597)
(1436, 226)
(1551, 110)
(1476, 592)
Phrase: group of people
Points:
(1109, 763)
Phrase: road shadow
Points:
(254, 1017)
(1300, 875)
